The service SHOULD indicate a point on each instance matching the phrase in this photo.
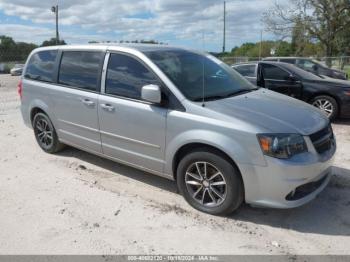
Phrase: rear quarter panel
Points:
(36, 94)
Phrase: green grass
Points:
(347, 70)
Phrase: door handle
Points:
(107, 107)
(88, 102)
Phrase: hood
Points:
(333, 81)
(338, 71)
(271, 111)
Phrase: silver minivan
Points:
(183, 115)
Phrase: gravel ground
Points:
(78, 203)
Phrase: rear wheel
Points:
(328, 105)
(210, 183)
(45, 134)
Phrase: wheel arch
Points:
(35, 111)
(313, 96)
(38, 106)
(190, 147)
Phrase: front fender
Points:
(239, 154)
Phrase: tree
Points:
(342, 42)
(299, 39)
(323, 20)
(10, 51)
(23, 50)
(7, 49)
(52, 42)
(282, 48)
(243, 50)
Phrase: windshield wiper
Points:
(240, 92)
(217, 97)
(207, 98)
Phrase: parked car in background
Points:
(152, 107)
(311, 66)
(17, 70)
(332, 96)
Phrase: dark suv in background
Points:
(332, 96)
(311, 66)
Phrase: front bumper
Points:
(345, 106)
(288, 183)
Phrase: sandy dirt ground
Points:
(78, 203)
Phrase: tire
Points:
(219, 172)
(327, 104)
(45, 134)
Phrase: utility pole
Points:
(260, 48)
(54, 9)
(224, 40)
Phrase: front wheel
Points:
(210, 183)
(328, 105)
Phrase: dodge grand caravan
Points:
(183, 115)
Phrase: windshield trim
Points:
(241, 83)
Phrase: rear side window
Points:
(126, 76)
(41, 66)
(81, 69)
(272, 72)
(246, 70)
(289, 61)
(307, 65)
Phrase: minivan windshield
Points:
(198, 76)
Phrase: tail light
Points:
(20, 89)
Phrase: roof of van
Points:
(111, 46)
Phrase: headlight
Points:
(347, 91)
(282, 145)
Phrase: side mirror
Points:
(291, 78)
(151, 93)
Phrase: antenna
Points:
(203, 71)
(260, 47)
(224, 40)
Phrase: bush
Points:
(7, 67)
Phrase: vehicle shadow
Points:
(121, 169)
(342, 121)
(328, 214)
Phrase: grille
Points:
(323, 140)
(306, 189)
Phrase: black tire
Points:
(234, 190)
(319, 100)
(51, 144)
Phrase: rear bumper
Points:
(26, 115)
(287, 183)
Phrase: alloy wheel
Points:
(44, 133)
(324, 105)
(206, 184)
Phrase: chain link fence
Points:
(8, 60)
(340, 62)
